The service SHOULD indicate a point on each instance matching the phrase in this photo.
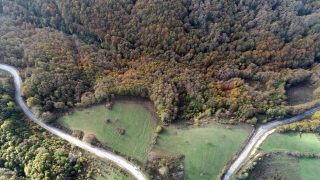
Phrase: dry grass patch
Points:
(300, 94)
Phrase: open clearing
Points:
(292, 142)
(206, 149)
(300, 94)
(309, 168)
(277, 166)
(134, 118)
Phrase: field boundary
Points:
(245, 143)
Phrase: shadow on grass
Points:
(291, 134)
(210, 144)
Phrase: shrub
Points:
(164, 171)
(159, 129)
(47, 117)
(316, 115)
(88, 138)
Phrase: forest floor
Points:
(133, 117)
(300, 94)
(207, 149)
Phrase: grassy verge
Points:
(101, 169)
(206, 149)
(136, 120)
(292, 142)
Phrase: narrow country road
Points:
(267, 128)
(97, 151)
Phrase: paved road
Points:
(100, 152)
(261, 131)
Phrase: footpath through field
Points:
(134, 170)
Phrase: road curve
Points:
(260, 133)
(97, 151)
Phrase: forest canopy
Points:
(26, 150)
(188, 56)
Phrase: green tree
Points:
(47, 117)
(7, 125)
(33, 101)
(11, 104)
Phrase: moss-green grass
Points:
(134, 118)
(206, 149)
(292, 142)
(309, 168)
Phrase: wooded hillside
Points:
(188, 56)
(27, 151)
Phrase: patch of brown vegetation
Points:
(300, 94)
(89, 138)
(109, 105)
(157, 162)
(120, 131)
(78, 134)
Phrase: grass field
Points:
(279, 166)
(206, 149)
(309, 168)
(134, 118)
(291, 142)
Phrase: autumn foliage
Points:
(186, 56)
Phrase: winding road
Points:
(134, 170)
(261, 132)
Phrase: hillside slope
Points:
(189, 57)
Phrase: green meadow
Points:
(206, 149)
(134, 118)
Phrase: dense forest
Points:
(190, 57)
(28, 151)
